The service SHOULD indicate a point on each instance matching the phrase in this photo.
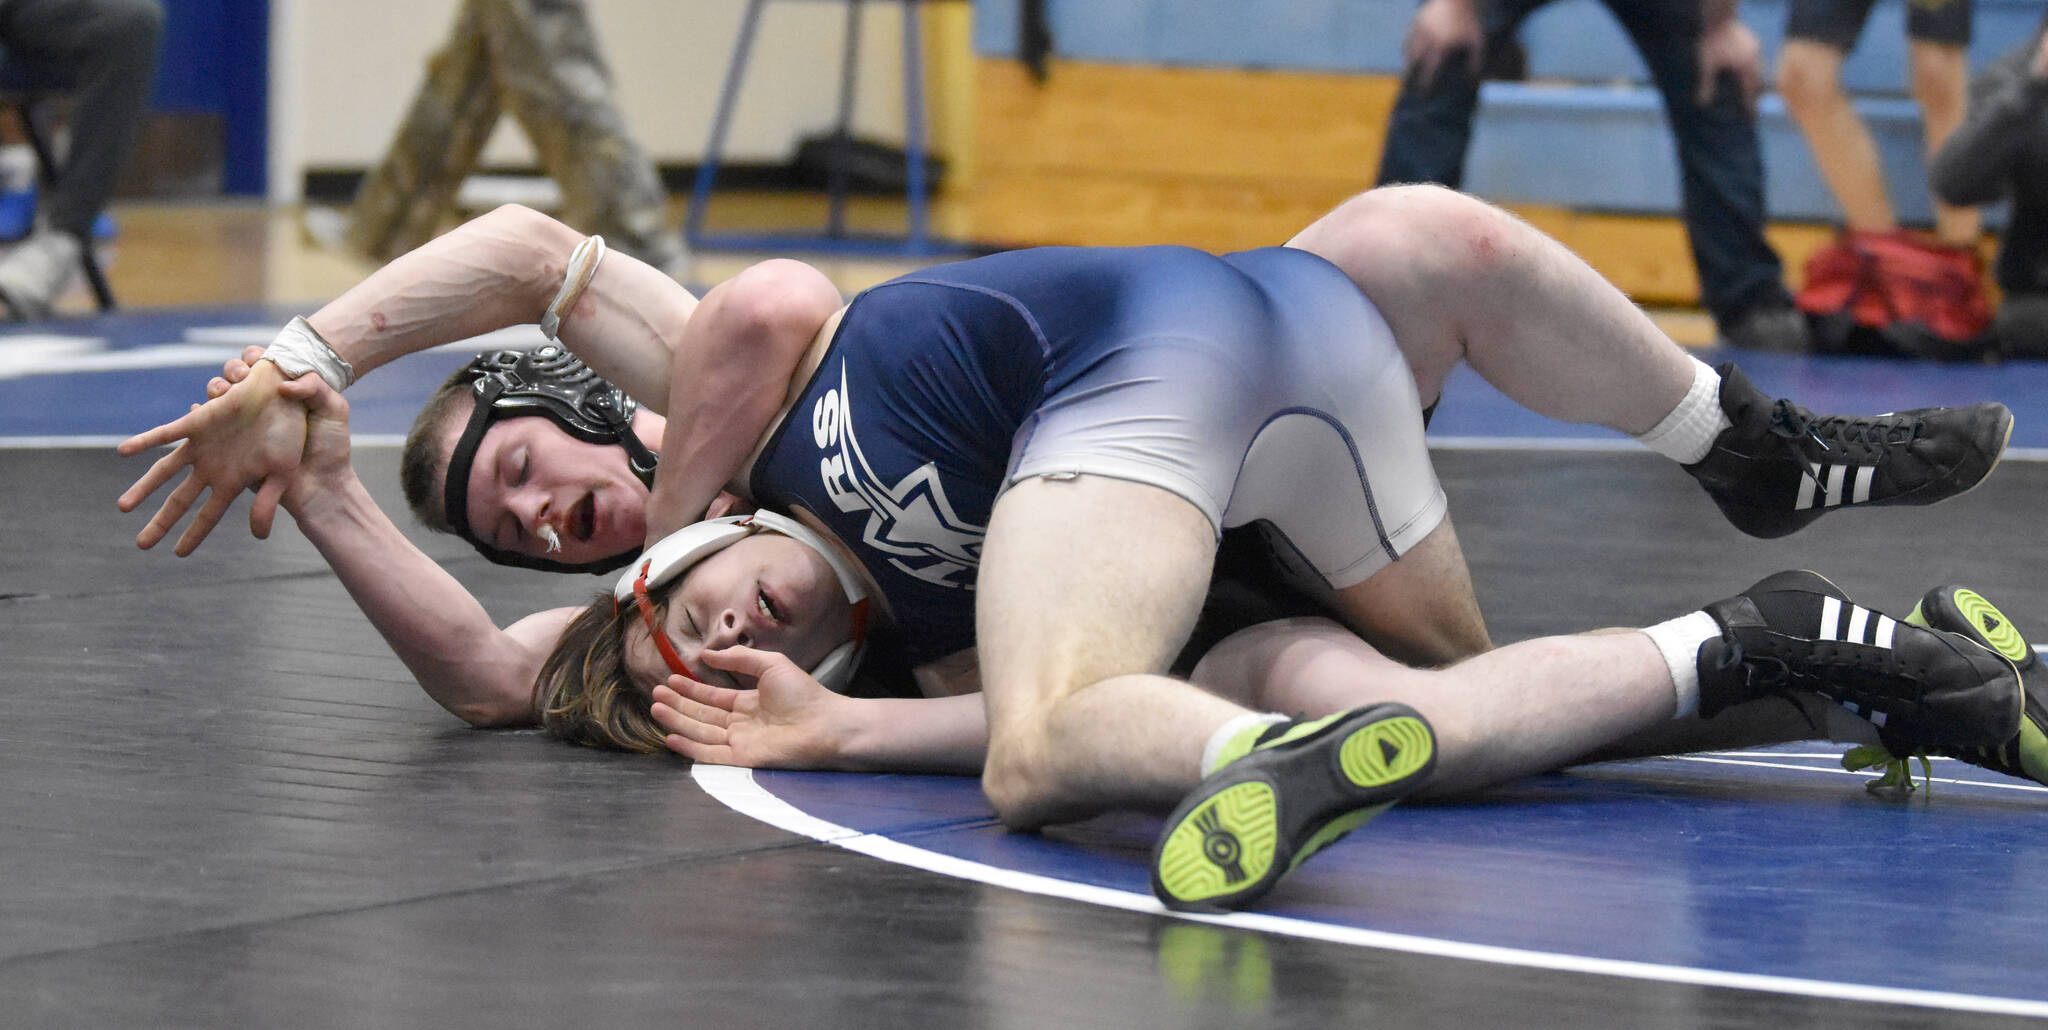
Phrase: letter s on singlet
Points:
(825, 419)
(825, 431)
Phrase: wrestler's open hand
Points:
(789, 721)
(249, 437)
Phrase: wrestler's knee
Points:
(1389, 209)
(1017, 778)
(1410, 233)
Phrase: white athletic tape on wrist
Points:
(298, 350)
(575, 279)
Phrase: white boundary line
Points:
(736, 789)
(1761, 761)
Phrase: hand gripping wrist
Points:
(582, 268)
(299, 350)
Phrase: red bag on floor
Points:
(1897, 293)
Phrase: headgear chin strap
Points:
(550, 382)
(677, 552)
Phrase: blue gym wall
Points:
(215, 60)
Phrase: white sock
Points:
(1228, 731)
(1679, 640)
(1687, 434)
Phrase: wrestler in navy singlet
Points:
(1235, 382)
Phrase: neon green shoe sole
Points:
(1253, 820)
(1959, 609)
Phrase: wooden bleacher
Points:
(1232, 123)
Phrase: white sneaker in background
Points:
(38, 271)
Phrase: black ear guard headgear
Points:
(550, 382)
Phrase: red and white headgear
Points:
(677, 552)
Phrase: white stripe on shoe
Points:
(1824, 485)
(1853, 623)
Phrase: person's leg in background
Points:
(1938, 39)
(406, 197)
(1937, 54)
(1818, 38)
(1431, 125)
(1720, 159)
(553, 79)
(540, 60)
(1877, 287)
(110, 49)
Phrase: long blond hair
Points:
(586, 697)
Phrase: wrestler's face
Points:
(765, 591)
(529, 474)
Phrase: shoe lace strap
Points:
(1897, 778)
(1795, 425)
(1826, 666)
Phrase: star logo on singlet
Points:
(912, 520)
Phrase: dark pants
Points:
(1719, 156)
(108, 50)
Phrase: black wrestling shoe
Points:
(1299, 788)
(1960, 610)
(1781, 466)
(1923, 689)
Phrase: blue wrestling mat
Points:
(96, 380)
(1771, 870)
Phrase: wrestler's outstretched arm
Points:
(482, 674)
(504, 268)
(501, 269)
(790, 721)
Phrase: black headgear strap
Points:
(546, 381)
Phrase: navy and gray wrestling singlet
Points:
(1260, 387)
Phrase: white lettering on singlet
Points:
(912, 521)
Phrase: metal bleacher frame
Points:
(835, 238)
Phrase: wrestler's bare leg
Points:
(1087, 588)
(1461, 280)
(1528, 707)
(1419, 609)
(1524, 708)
